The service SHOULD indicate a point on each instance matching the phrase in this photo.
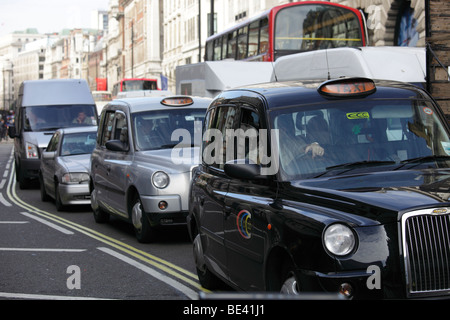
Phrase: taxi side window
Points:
(52, 145)
(120, 127)
(107, 126)
(217, 121)
(231, 133)
(247, 145)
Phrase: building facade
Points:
(389, 23)
(11, 46)
(438, 53)
(150, 38)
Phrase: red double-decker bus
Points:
(287, 29)
(134, 84)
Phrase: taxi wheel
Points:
(290, 284)
(100, 216)
(58, 203)
(142, 228)
(44, 196)
(206, 278)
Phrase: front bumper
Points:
(76, 194)
(30, 168)
(352, 284)
(173, 214)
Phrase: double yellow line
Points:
(163, 265)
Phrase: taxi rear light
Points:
(177, 101)
(350, 87)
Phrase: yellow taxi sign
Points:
(177, 101)
(347, 87)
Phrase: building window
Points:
(406, 29)
(209, 24)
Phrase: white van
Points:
(43, 106)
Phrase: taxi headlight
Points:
(160, 179)
(339, 239)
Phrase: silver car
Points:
(141, 166)
(65, 166)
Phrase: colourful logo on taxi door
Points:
(244, 224)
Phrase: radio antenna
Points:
(328, 66)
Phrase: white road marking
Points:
(42, 249)
(171, 282)
(190, 293)
(4, 202)
(52, 225)
(43, 297)
(13, 222)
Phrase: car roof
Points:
(154, 103)
(78, 129)
(282, 94)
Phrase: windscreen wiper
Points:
(48, 129)
(180, 145)
(354, 165)
(425, 159)
(351, 165)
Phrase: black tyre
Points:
(59, 205)
(100, 216)
(207, 279)
(44, 196)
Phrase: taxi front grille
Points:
(426, 243)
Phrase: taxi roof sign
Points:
(348, 87)
(179, 101)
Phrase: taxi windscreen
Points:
(343, 135)
(154, 129)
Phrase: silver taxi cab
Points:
(141, 165)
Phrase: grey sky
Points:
(47, 15)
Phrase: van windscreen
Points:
(44, 118)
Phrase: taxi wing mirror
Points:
(49, 155)
(116, 145)
(242, 169)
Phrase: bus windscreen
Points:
(314, 27)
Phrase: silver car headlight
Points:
(160, 179)
(339, 239)
(75, 178)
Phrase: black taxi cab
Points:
(338, 186)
